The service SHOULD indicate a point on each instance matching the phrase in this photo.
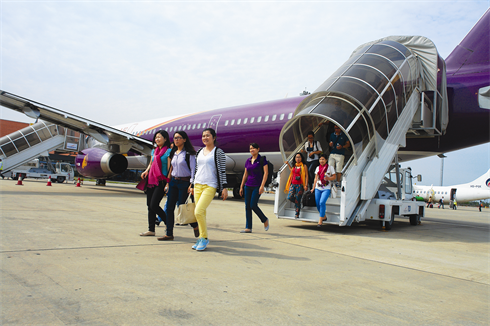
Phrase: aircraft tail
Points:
(484, 180)
(474, 50)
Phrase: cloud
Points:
(117, 62)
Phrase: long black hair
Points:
(164, 134)
(187, 144)
(293, 162)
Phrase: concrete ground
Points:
(73, 256)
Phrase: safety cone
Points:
(49, 181)
(19, 181)
(78, 183)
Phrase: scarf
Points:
(156, 175)
(321, 174)
(303, 176)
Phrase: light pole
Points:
(442, 156)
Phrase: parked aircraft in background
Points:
(478, 189)
(112, 150)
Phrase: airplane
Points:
(478, 189)
(112, 150)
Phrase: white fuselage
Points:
(478, 189)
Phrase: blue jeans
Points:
(321, 197)
(251, 204)
(177, 193)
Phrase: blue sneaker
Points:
(197, 243)
(202, 245)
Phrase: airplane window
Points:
(238, 121)
(259, 119)
(183, 128)
(204, 125)
(252, 119)
(290, 115)
(266, 118)
(199, 126)
(282, 116)
(245, 121)
(154, 130)
(171, 128)
(226, 122)
(188, 127)
(274, 117)
(194, 126)
(232, 122)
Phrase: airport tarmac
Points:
(73, 256)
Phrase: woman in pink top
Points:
(297, 182)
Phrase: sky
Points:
(120, 61)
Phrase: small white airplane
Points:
(478, 189)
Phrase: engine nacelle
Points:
(98, 163)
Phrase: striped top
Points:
(220, 162)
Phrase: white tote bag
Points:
(185, 213)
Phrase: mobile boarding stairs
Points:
(388, 89)
(35, 140)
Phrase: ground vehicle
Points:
(391, 200)
(41, 168)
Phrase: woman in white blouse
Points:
(209, 177)
(324, 175)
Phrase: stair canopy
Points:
(367, 94)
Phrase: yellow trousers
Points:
(203, 195)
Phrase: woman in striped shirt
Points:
(209, 177)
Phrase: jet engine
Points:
(100, 164)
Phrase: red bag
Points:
(142, 185)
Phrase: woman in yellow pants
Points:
(209, 177)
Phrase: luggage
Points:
(308, 199)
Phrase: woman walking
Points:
(297, 182)
(210, 176)
(312, 149)
(254, 178)
(157, 179)
(324, 174)
(183, 163)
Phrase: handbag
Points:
(142, 185)
(333, 191)
(185, 213)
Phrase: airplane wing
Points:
(102, 133)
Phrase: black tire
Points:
(236, 193)
(414, 219)
(388, 224)
(60, 179)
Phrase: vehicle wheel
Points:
(100, 182)
(236, 193)
(388, 224)
(414, 219)
(60, 179)
(16, 177)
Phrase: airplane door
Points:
(213, 122)
(453, 194)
